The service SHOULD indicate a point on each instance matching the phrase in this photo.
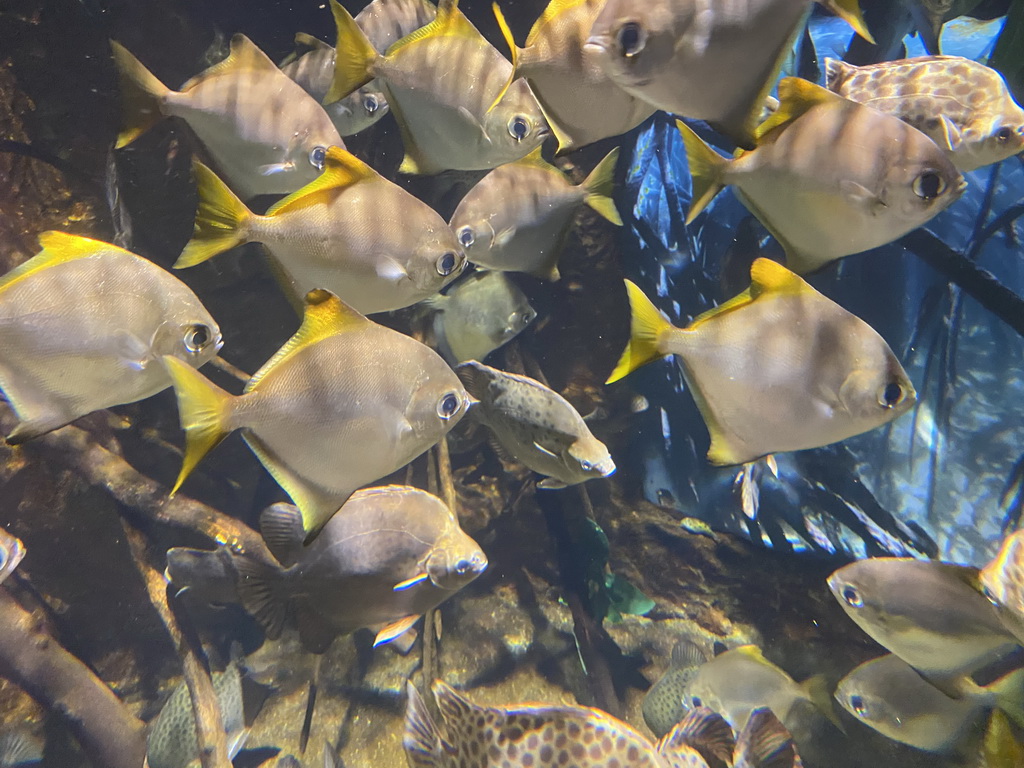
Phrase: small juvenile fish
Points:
(829, 177)
(384, 22)
(343, 403)
(536, 426)
(888, 695)
(734, 684)
(705, 60)
(518, 217)
(550, 736)
(267, 135)
(12, 552)
(960, 104)
(351, 232)
(580, 102)
(20, 748)
(480, 314)
(84, 325)
(390, 555)
(449, 90)
(929, 614)
(778, 368)
(171, 741)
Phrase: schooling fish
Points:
(343, 403)
(778, 368)
(929, 614)
(390, 555)
(351, 232)
(12, 552)
(709, 61)
(267, 135)
(441, 82)
(580, 102)
(536, 426)
(84, 325)
(829, 177)
(734, 684)
(384, 22)
(480, 314)
(888, 695)
(961, 105)
(518, 217)
(171, 741)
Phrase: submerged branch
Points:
(35, 661)
(210, 735)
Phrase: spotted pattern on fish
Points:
(921, 91)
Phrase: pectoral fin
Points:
(393, 630)
(409, 583)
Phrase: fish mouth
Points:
(605, 468)
(596, 44)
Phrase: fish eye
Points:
(1004, 134)
(696, 701)
(463, 566)
(370, 104)
(852, 596)
(466, 237)
(449, 405)
(929, 185)
(586, 466)
(317, 157)
(989, 595)
(891, 395)
(519, 127)
(446, 264)
(197, 337)
(631, 39)
(857, 705)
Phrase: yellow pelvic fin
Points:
(393, 630)
(221, 220)
(325, 315)
(341, 169)
(57, 248)
(355, 57)
(850, 12)
(707, 168)
(536, 160)
(796, 97)
(600, 185)
(244, 54)
(142, 96)
(1000, 747)
(514, 52)
(203, 409)
(647, 327)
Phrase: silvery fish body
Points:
(388, 556)
(101, 320)
(480, 314)
(962, 105)
(536, 426)
(711, 61)
(12, 552)
(581, 103)
(1002, 581)
(262, 129)
(446, 113)
(384, 22)
(171, 741)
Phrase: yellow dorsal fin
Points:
(244, 55)
(554, 9)
(58, 248)
(325, 315)
(796, 97)
(767, 276)
(514, 51)
(341, 169)
(752, 652)
(449, 22)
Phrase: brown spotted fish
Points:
(265, 133)
(963, 106)
(549, 736)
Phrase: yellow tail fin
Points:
(706, 170)
(647, 326)
(203, 408)
(221, 220)
(142, 96)
(353, 64)
(599, 187)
